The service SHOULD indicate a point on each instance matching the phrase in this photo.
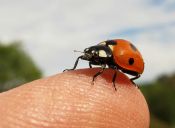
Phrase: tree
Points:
(160, 97)
(16, 66)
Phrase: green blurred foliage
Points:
(16, 67)
(160, 96)
(156, 123)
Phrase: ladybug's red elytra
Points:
(117, 54)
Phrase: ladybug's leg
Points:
(75, 65)
(98, 73)
(113, 80)
(90, 64)
(134, 78)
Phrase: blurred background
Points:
(37, 39)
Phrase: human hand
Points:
(69, 100)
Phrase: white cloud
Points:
(159, 56)
(51, 30)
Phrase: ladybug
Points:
(117, 54)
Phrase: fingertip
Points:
(70, 100)
(130, 104)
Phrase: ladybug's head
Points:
(98, 53)
(90, 53)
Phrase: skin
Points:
(69, 100)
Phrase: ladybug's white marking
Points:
(87, 49)
(111, 47)
(93, 51)
(102, 43)
(102, 53)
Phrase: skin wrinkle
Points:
(69, 100)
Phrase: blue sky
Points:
(52, 29)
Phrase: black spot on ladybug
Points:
(111, 42)
(131, 61)
(133, 47)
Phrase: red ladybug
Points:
(117, 54)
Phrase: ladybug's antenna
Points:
(78, 51)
